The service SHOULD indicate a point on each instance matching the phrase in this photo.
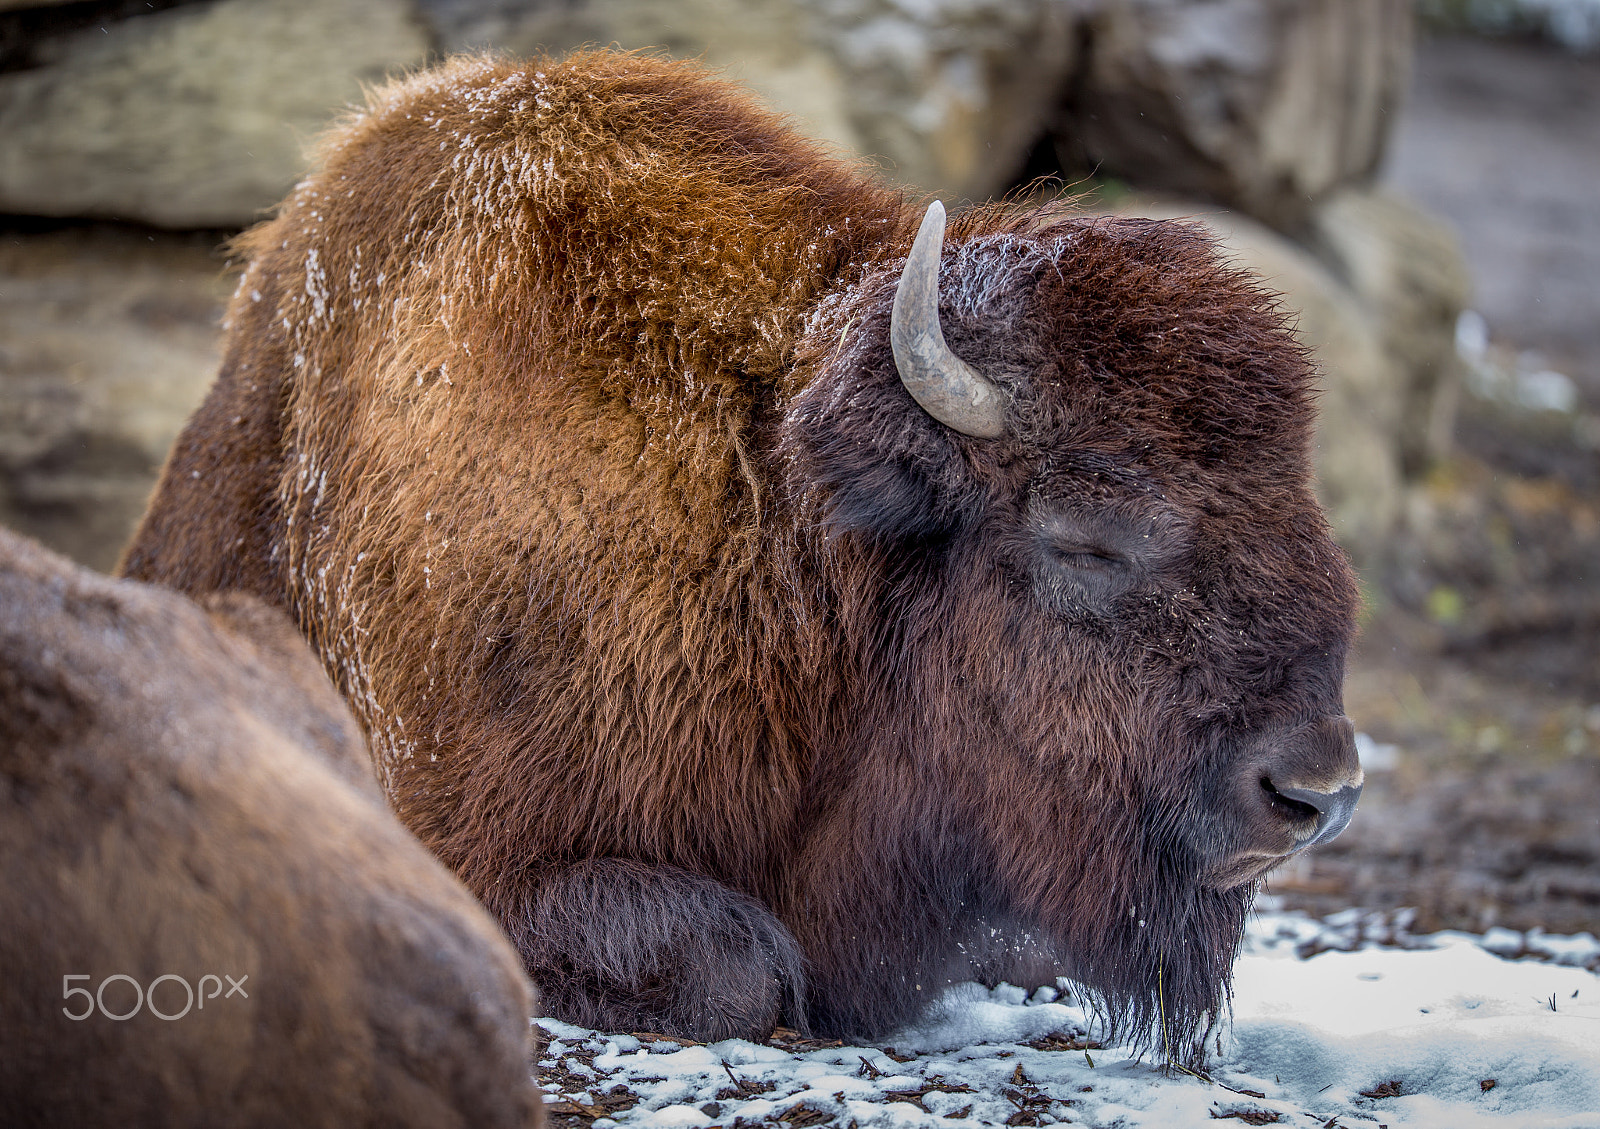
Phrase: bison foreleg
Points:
(625, 946)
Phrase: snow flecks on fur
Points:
(982, 272)
(323, 592)
(316, 289)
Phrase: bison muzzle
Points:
(770, 603)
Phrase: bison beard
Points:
(742, 670)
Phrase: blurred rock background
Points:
(1423, 197)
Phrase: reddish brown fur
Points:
(183, 793)
(558, 409)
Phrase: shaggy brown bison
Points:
(207, 915)
(747, 648)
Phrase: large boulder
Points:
(1262, 105)
(199, 114)
(1408, 272)
(193, 116)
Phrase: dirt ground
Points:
(1480, 663)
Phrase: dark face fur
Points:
(1119, 630)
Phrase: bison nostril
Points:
(1296, 803)
(1330, 811)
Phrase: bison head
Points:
(1086, 591)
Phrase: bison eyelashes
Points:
(940, 381)
(1081, 556)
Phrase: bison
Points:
(209, 915)
(770, 604)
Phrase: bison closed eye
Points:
(771, 603)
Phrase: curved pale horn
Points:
(940, 381)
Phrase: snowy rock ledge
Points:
(1347, 1022)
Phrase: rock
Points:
(195, 116)
(1357, 453)
(945, 95)
(108, 340)
(1262, 105)
(1408, 272)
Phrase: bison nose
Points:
(1315, 780)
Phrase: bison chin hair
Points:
(1159, 977)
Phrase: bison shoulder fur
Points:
(769, 602)
(209, 914)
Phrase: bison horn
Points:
(949, 390)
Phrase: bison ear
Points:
(875, 463)
(893, 501)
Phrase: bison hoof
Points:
(624, 946)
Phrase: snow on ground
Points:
(1347, 1022)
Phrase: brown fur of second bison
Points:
(183, 795)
